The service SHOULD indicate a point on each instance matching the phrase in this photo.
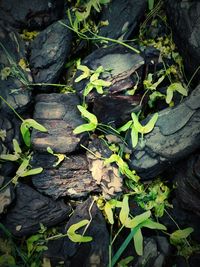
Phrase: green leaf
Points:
(32, 172)
(84, 128)
(178, 236)
(109, 212)
(9, 157)
(153, 225)
(124, 212)
(175, 87)
(50, 150)
(136, 123)
(102, 83)
(103, 2)
(99, 89)
(60, 157)
(138, 242)
(125, 262)
(125, 127)
(169, 95)
(153, 97)
(16, 147)
(26, 125)
(25, 134)
(34, 124)
(7, 261)
(85, 75)
(150, 125)
(88, 89)
(179, 88)
(23, 167)
(30, 242)
(91, 117)
(74, 237)
(138, 219)
(111, 159)
(151, 4)
(134, 136)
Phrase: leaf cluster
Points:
(136, 127)
(135, 224)
(94, 82)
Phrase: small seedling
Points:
(95, 82)
(24, 168)
(175, 87)
(136, 127)
(60, 157)
(91, 126)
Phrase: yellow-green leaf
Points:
(73, 236)
(9, 157)
(32, 172)
(134, 136)
(136, 123)
(124, 212)
(87, 127)
(16, 147)
(138, 219)
(177, 236)
(109, 212)
(150, 125)
(138, 242)
(84, 75)
(125, 127)
(86, 114)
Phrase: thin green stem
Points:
(4, 186)
(3, 99)
(193, 76)
(99, 37)
(91, 152)
(110, 248)
(118, 232)
(47, 84)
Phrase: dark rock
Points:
(176, 134)
(6, 195)
(94, 253)
(184, 19)
(188, 184)
(194, 260)
(123, 18)
(14, 83)
(49, 51)
(123, 65)
(107, 176)
(31, 209)
(33, 15)
(58, 113)
(118, 108)
(71, 178)
(156, 250)
(55, 252)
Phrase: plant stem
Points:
(99, 37)
(3, 99)
(47, 84)
(4, 186)
(117, 234)
(193, 76)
